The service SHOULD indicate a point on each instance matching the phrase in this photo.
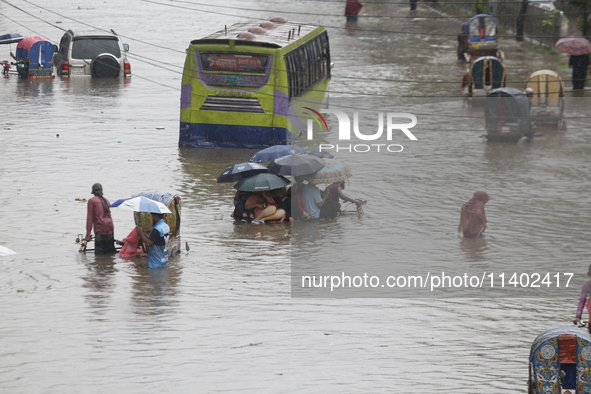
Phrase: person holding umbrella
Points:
(580, 65)
(157, 242)
(578, 48)
(98, 217)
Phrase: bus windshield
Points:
(233, 62)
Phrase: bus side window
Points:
(304, 69)
(291, 78)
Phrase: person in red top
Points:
(98, 216)
(265, 207)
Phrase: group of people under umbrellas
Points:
(264, 194)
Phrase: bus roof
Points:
(275, 33)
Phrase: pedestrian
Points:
(579, 64)
(332, 207)
(352, 9)
(473, 218)
(584, 301)
(463, 43)
(413, 5)
(157, 242)
(316, 203)
(98, 217)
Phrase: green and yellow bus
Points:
(251, 84)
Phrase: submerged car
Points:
(96, 53)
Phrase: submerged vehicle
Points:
(481, 34)
(506, 111)
(34, 58)
(560, 362)
(173, 219)
(252, 85)
(95, 53)
(144, 221)
(547, 98)
(486, 73)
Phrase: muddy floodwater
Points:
(227, 315)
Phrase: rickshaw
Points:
(10, 38)
(560, 362)
(506, 111)
(144, 220)
(34, 58)
(485, 74)
(173, 219)
(547, 98)
(481, 34)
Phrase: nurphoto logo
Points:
(392, 124)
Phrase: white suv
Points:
(95, 53)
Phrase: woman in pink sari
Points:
(473, 218)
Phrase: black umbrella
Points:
(238, 172)
(296, 165)
(261, 182)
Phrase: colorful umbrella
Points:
(334, 171)
(574, 45)
(271, 153)
(296, 165)
(238, 172)
(141, 204)
(261, 182)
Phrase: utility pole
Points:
(521, 21)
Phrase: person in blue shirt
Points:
(157, 242)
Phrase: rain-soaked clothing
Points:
(98, 216)
(580, 64)
(352, 7)
(473, 218)
(131, 246)
(585, 292)
(158, 251)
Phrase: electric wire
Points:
(148, 61)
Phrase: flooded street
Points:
(227, 314)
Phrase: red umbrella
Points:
(352, 7)
(574, 45)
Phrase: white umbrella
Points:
(141, 204)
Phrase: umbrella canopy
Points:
(261, 182)
(10, 38)
(274, 152)
(334, 171)
(296, 165)
(574, 45)
(141, 204)
(238, 172)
